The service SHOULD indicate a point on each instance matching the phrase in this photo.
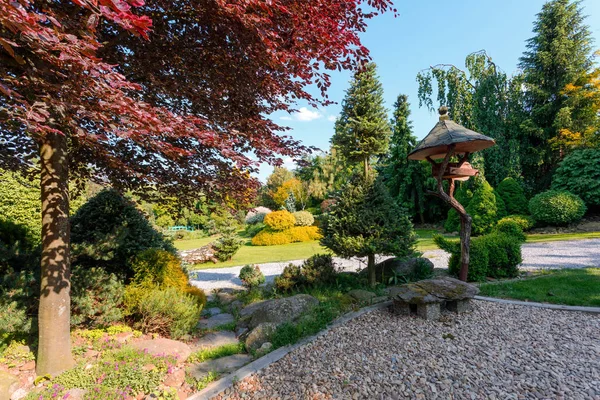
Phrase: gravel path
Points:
(497, 351)
(567, 254)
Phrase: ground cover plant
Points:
(573, 287)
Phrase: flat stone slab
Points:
(216, 339)
(220, 365)
(164, 347)
(216, 320)
(433, 291)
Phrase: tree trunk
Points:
(371, 270)
(465, 245)
(54, 351)
(366, 165)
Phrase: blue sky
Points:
(428, 33)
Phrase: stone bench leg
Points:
(400, 307)
(429, 311)
(459, 306)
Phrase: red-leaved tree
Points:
(170, 96)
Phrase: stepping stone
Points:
(361, 295)
(216, 320)
(216, 339)
(164, 347)
(219, 365)
(212, 311)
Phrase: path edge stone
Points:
(217, 387)
(559, 307)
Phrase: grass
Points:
(554, 237)
(217, 352)
(573, 287)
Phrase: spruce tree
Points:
(557, 57)
(362, 130)
(406, 179)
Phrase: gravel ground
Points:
(497, 351)
(567, 254)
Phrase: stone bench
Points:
(427, 298)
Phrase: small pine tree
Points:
(482, 208)
(362, 130)
(229, 242)
(365, 221)
(514, 197)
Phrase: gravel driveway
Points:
(567, 254)
(497, 351)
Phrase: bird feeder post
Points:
(448, 139)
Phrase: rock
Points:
(362, 296)
(176, 379)
(8, 385)
(236, 306)
(282, 310)
(28, 366)
(260, 335)
(219, 365)
(433, 291)
(251, 308)
(200, 256)
(165, 347)
(264, 349)
(216, 339)
(241, 332)
(379, 299)
(19, 394)
(212, 311)
(123, 337)
(403, 267)
(91, 354)
(215, 321)
(225, 298)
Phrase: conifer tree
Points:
(362, 130)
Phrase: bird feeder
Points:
(448, 139)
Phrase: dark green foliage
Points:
(20, 203)
(579, 173)
(229, 242)
(319, 270)
(504, 255)
(365, 220)
(559, 53)
(525, 222)
(108, 231)
(478, 261)
(556, 207)
(290, 278)
(19, 293)
(482, 208)
(510, 228)
(513, 195)
(463, 195)
(18, 251)
(251, 276)
(96, 298)
(362, 130)
(252, 230)
(500, 206)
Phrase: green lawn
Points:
(539, 237)
(573, 287)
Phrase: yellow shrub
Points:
(198, 294)
(291, 235)
(160, 268)
(280, 220)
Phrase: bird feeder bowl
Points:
(456, 171)
(446, 134)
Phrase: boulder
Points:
(264, 349)
(433, 291)
(403, 267)
(176, 379)
(282, 310)
(251, 308)
(8, 385)
(362, 296)
(200, 256)
(260, 335)
(215, 321)
(164, 347)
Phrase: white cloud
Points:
(286, 118)
(303, 114)
(332, 118)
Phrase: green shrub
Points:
(525, 222)
(482, 208)
(557, 207)
(291, 235)
(253, 230)
(280, 220)
(319, 269)
(257, 215)
(504, 255)
(197, 293)
(463, 195)
(290, 278)
(304, 218)
(96, 298)
(20, 203)
(168, 312)
(513, 195)
(159, 268)
(108, 231)
(579, 173)
(500, 206)
(18, 251)
(229, 242)
(510, 228)
(478, 261)
(251, 276)
(19, 293)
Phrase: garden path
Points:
(563, 254)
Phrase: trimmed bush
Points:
(167, 312)
(513, 195)
(463, 195)
(251, 276)
(500, 206)
(96, 298)
(290, 278)
(579, 173)
(482, 207)
(280, 220)
(291, 235)
(319, 269)
(555, 207)
(510, 228)
(478, 259)
(257, 215)
(504, 255)
(525, 222)
(304, 218)
(253, 230)
(197, 293)
(108, 231)
(159, 268)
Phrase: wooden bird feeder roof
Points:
(445, 133)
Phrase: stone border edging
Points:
(217, 387)
(593, 310)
